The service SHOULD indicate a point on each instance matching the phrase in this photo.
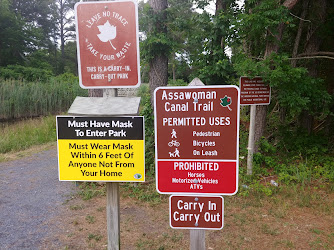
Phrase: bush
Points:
(18, 72)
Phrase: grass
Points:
(292, 217)
(88, 190)
(26, 133)
(90, 219)
(95, 237)
(20, 99)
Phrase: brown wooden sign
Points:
(108, 44)
(254, 91)
(197, 131)
(196, 212)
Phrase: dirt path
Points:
(30, 198)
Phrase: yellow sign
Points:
(101, 149)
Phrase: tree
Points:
(207, 42)
(268, 29)
(38, 14)
(159, 46)
(17, 37)
(65, 25)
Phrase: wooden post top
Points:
(105, 106)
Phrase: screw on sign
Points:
(197, 139)
(108, 44)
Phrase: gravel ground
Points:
(30, 197)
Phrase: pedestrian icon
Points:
(174, 133)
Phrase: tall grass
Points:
(20, 99)
(24, 134)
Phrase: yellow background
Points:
(67, 173)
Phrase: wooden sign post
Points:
(108, 58)
(106, 110)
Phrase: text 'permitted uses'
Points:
(101, 148)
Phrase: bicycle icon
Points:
(173, 143)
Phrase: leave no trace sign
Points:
(108, 44)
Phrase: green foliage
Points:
(146, 193)
(19, 72)
(207, 41)
(259, 26)
(303, 168)
(27, 133)
(16, 36)
(147, 112)
(157, 41)
(155, 44)
(177, 82)
(299, 142)
(90, 219)
(95, 237)
(293, 88)
(88, 190)
(257, 188)
(19, 99)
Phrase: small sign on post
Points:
(196, 212)
(108, 44)
(254, 91)
(197, 135)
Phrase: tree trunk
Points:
(95, 92)
(299, 33)
(312, 46)
(158, 73)
(62, 38)
(261, 110)
(220, 5)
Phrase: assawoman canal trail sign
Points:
(197, 139)
(197, 151)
